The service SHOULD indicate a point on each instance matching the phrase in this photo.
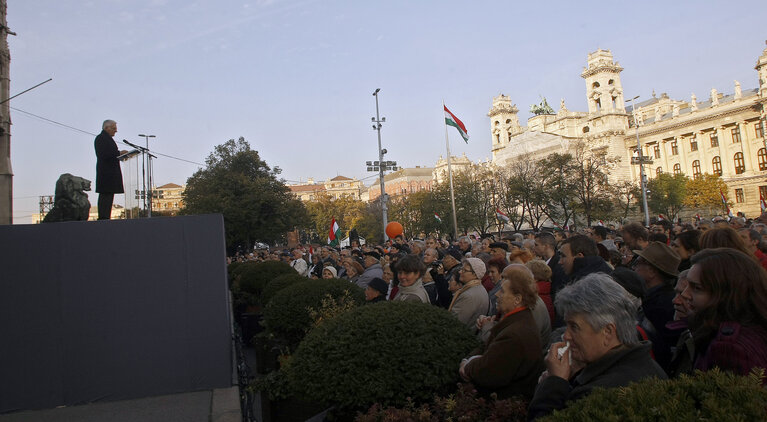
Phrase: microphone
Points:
(128, 143)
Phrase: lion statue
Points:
(71, 202)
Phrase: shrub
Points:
(382, 353)
(253, 277)
(287, 315)
(710, 396)
(232, 268)
(280, 282)
(462, 406)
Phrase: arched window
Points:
(716, 163)
(610, 82)
(585, 129)
(762, 157)
(740, 165)
(696, 169)
(677, 169)
(595, 85)
(658, 171)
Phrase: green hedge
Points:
(464, 406)
(253, 277)
(287, 314)
(382, 353)
(706, 396)
(280, 282)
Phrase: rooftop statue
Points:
(542, 108)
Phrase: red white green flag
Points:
(451, 120)
(501, 216)
(335, 233)
(439, 220)
(724, 202)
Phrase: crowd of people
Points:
(560, 313)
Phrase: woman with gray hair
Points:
(600, 348)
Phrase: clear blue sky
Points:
(295, 78)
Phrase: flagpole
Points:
(450, 175)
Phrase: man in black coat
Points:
(109, 177)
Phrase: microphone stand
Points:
(146, 156)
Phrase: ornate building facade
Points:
(403, 182)
(336, 187)
(723, 134)
(168, 198)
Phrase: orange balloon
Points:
(394, 229)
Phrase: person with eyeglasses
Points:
(470, 299)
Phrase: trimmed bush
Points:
(288, 315)
(232, 268)
(382, 353)
(253, 277)
(464, 406)
(280, 282)
(706, 396)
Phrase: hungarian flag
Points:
(762, 202)
(501, 216)
(724, 202)
(335, 233)
(601, 223)
(661, 217)
(451, 120)
(439, 220)
(697, 217)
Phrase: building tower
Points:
(504, 122)
(603, 83)
(761, 67)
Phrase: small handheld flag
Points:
(335, 233)
(501, 216)
(436, 216)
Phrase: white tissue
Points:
(562, 350)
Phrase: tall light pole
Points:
(148, 173)
(377, 127)
(640, 161)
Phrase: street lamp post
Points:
(148, 174)
(377, 127)
(640, 159)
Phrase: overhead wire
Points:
(53, 122)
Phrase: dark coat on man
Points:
(616, 369)
(559, 278)
(511, 360)
(109, 177)
(659, 310)
(588, 265)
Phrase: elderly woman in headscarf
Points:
(601, 348)
(329, 272)
(510, 361)
(470, 299)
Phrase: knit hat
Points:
(501, 245)
(477, 266)
(454, 252)
(630, 281)
(662, 257)
(379, 285)
(332, 269)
